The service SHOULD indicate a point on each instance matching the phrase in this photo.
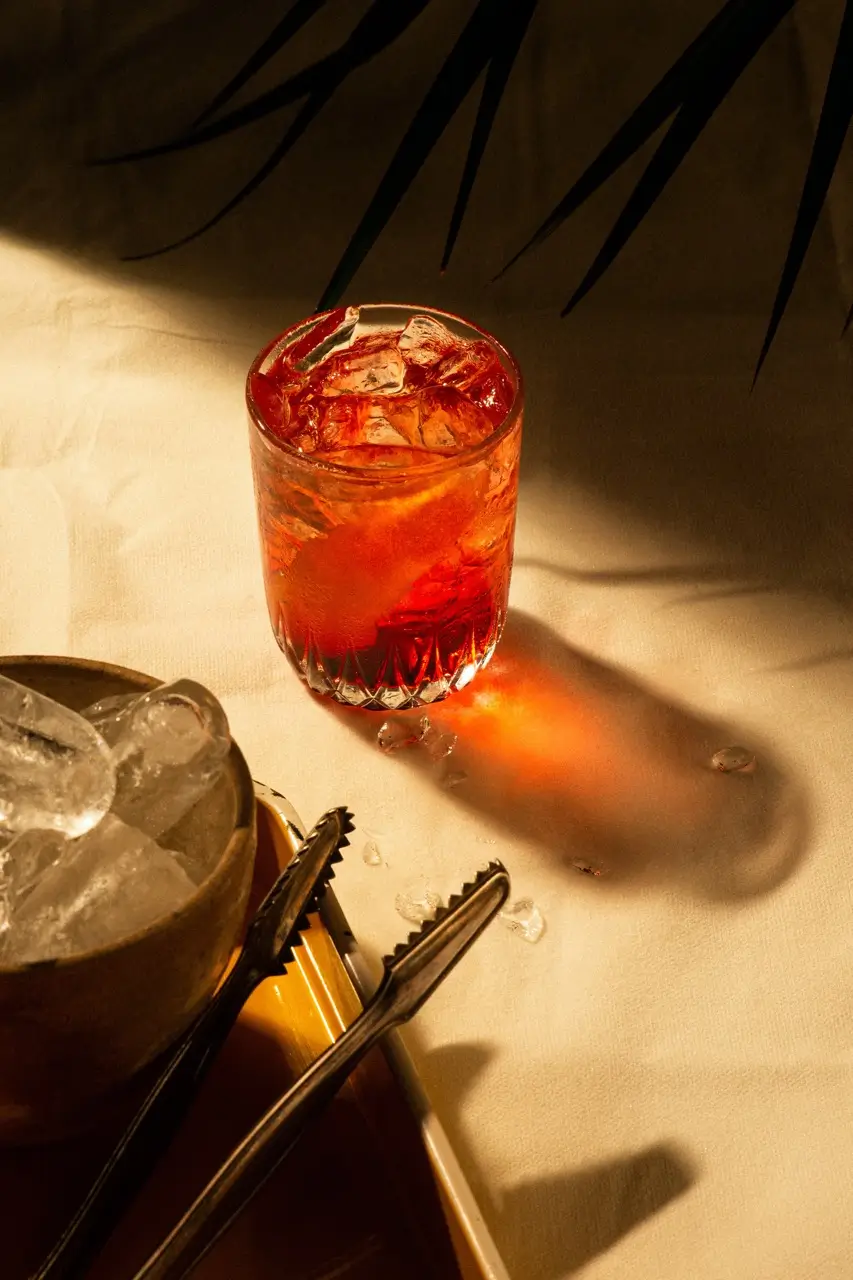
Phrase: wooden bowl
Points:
(75, 1032)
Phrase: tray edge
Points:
(448, 1171)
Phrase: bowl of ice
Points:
(127, 841)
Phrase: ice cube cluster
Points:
(87, 804)
(386, 396)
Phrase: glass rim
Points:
(441, 463)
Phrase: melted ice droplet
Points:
(417, 903)
(733, 760)
(438, 744)
(525, 919)
(395, 734)
(587, 869)
(454, 778)
(371, 854)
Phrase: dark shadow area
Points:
(355, 1199)
(657, 575)
(582, 1214)
(599, 771)
(710, 582)
(642, 397)
(825, 659)
(448, 1074)
(722, 581)
(578, 1214)
(660, 424)
(86, 81)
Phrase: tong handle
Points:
(256, 1158)
(151, 1130)
(410, 976)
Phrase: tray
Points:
(372, 1192)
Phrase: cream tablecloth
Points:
(663, 1086)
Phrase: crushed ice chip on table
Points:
(371, 854)
(587, 868)
(56, 773)
(417, 903)
(438, 744)
(525, 919)
(394, 734)
(61, 894)
(453, 778)
(734, 760)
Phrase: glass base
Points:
(350, 687)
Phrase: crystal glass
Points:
(385, 446)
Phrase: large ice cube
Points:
(25, 860)
(110, 716)
(373, 365)
(338, 422)
(425, 341)
(449, 422)
(56, 772)
(435, 418)
(170, 746)
(475, 369)
(104, 886)
(378, 430)
(315, 346)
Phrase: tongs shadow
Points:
(410, 975)
(267, 949)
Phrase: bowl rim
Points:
(243, 822)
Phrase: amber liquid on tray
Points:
(386, 480)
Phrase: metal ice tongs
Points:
(267, 948)
(410, 976)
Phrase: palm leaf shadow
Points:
(700, 104)
(384, 22)
(297, 16)
(656, 108)
(686, 97)
(482, 37)
(510, 34)
(835, 117)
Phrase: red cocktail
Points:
(385, 446)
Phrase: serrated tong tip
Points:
(494, 875)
